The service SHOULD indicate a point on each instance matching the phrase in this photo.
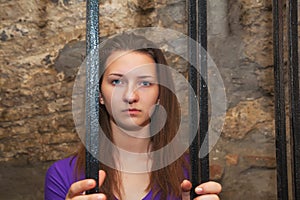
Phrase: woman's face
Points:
(129, 89)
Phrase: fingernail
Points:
(198, 190)
(90, 182)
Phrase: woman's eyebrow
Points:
(115, 74)
(140, 76)
(146, 76)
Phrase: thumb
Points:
(102, 176)
(186, 187)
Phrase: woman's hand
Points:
(206, 191)
(77, 189)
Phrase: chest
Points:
(134, 185)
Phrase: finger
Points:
(208, 197)
(210, 187)
(80, 186)
(102, 176)
(186, 187)
(96, 196)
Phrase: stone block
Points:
(246, 116)
(216, 172)
(263, 161)
(232, 159)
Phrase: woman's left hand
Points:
(206, 191)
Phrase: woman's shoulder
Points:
(64, 164)
(59, 177)
(63, 169)
(68, 161)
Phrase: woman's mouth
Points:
(132, 111)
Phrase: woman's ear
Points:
(158, 101)
(101, 99)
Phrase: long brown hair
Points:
(166, 180)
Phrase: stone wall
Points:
(245, 153)
(42, 45)
(36, 122)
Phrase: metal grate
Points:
(280, 126)
(197, 30)
(92, 92)
(294, 95)
(294, 98)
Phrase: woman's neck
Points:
(136, 141)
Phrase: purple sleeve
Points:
(59, 178)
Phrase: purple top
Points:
(60, 177)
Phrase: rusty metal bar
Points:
(193, 109)
(92, 92)
(203, 97)
(294, 95)
(197, 30)
(280, 126)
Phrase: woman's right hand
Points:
(77, 189)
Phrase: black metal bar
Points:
(203, 97)
(197, 30)
(194, 81)
(294, 96)
(280, 126)
(92, 92)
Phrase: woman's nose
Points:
(131, 95)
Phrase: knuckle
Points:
(72, 191)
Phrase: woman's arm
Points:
(58, 186)
(61, 182)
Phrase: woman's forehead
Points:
(122, 54)
(130, 61)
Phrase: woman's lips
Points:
(132, 111)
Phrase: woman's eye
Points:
(145, 83)
(116, 82)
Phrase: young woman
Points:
(134, 85)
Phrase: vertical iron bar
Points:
(92, 92)
(280, 126)
(194, 81)
(294, 96)
(203, 97)
(197, 30)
